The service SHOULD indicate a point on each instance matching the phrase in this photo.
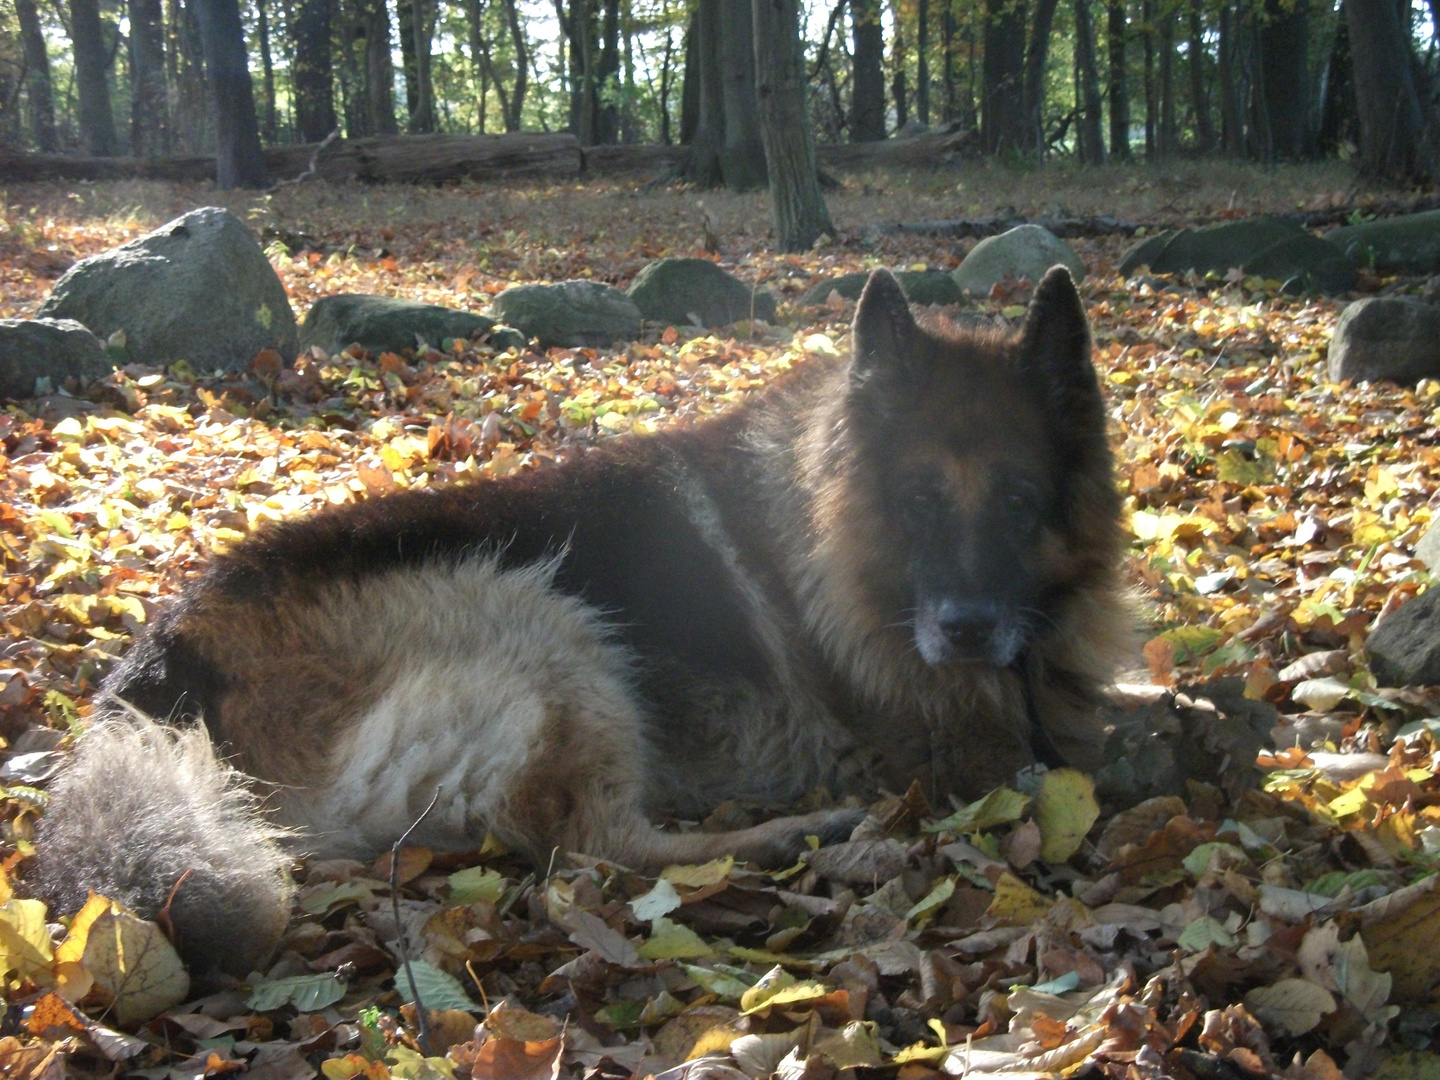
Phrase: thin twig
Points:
(422, 1021)
(314, 162)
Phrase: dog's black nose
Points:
(968, 624)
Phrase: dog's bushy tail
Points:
(150, 817)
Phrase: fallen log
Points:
(380, 159)
(979, 227)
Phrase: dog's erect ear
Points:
(1055, 345)
(885, 331)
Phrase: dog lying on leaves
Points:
(894, 568)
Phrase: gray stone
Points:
(1399, 245)
(1266, 247)
(921, 286)
(1026, 251)
(198, 288)
(1386, 337)
(570, 314)
(504, 338)
(54, 349)
(670, 291)
(1405, 648)
(384, 324)
(1427, 550)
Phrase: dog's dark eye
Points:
(920, 504)
(1020, 501)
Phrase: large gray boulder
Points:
(1267, 247)
(54, 349)
(921, 287)
(1386, 337)
(384, 324)
(1405, 648)
(570, 314)
(1399, 245)
(1026, 251)
(198, 288)
(670, 291)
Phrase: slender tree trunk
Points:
(522, 67)
(1119, 83)
(267, 67)
(796, 204)
(742, 159)
(1397, 129)
(1263, 137)
(1147, 37)
(149, 127)
(239, 160)
(1003, 125)
(405, 28)
(867, 95)
(1035, 57)
(313, 71)
(922, 60)
(607, 76)
(690, 88)
(899, 93)
(703, 165)
(92, 63)
(185, 58)
(1232, 124)
(1199, 98)
(666, 79)
(1092, 139)
(37, 78)
(379, 68)
(1169, 130)
(1284, 40)
(947, 41)
(1339, 123)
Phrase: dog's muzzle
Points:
(977, 630)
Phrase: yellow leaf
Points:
(695, 877)
(24, 941)
(135, 966)
(73, 947)
(1016, 903)
(1065, 809)
(1295, 1006)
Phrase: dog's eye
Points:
(1020, 502)
(921, 503)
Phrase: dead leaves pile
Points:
(1256, 898)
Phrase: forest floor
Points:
(1268, 914)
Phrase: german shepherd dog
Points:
(894, 568)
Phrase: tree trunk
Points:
(1169, 130)
(1263, 143)
(898, 59)
(1199, 98)
(267, 67)
(1397, 130)
(1119, 83)
(703, 163)
(607, 77)
(690, 88)
(1232, 124)
(1002, 105)
(1147, 37)
(797, 208)
(149, 127)
(1035, 57)
(239, 160)
(1092, 141)
(947, 43)
(666, 81)
(37, 78)
(1339, 124)
(313, 71)
(742, 157)
(867, 94)
(522, 67)
(92, 83)
(379, 68)
(194, 125)
(1284, 55)
(922, 60)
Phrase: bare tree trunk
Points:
(1035, 56)
(898, 59)
(522, 67)
(149, 126)
(37, 78)
(690, 88)
(1092, 141)
(1003, 121)
(796, 205)
(867, 91)
(947, 41)
(379, 68)
(922, 60)
(313, 71)
(239, 160)
(1119, 83)
(1284, 40)
(703, 164)
(267, 66)
(92, 64)
(742, 159)
(1397, 130)
(1147, 36)
(1199, 98)
(1169, 130)
(1232, 124)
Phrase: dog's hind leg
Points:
(776, 843)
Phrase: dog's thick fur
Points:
(901, 567)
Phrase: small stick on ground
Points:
(422, 1021)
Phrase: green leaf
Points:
(476, 884)
(438, 989)
(307, 993)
